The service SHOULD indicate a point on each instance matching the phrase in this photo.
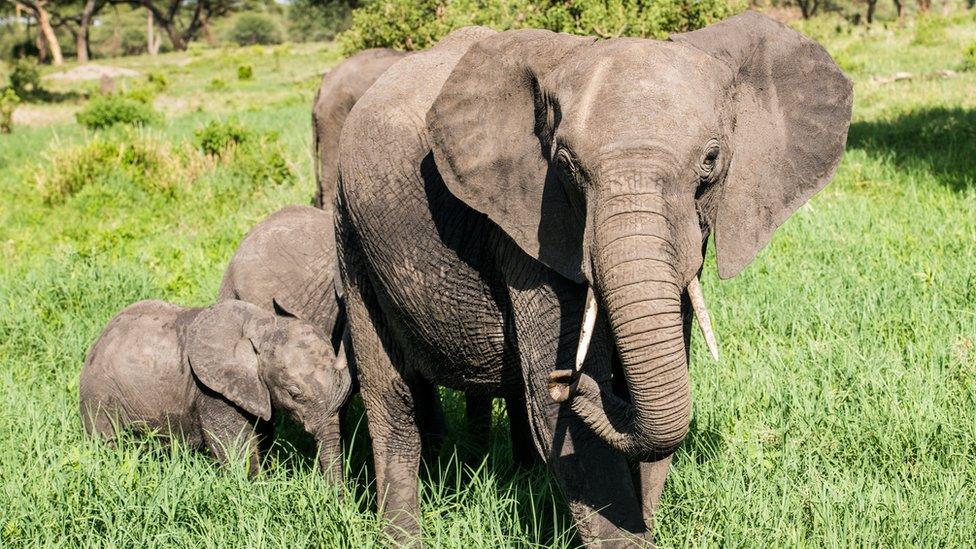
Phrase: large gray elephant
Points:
(213, 377)
(498, 186)
(340, 89)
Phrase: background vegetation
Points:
(841, 413)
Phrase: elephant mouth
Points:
(563, 383)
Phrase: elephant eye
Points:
(709, 158)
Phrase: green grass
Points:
(842, 413)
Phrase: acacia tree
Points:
(183, 20)
(40, 11)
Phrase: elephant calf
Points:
(212, 376)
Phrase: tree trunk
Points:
(84, 24)
(152, 39)
(50, 39)
(872, 5)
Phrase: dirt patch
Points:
(91, 72)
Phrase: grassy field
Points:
(842, 413)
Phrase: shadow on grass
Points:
(42, 95)
(940, 140)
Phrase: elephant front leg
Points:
(228, 433)
(652, 477)
(393, 420)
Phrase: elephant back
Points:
(287, 264)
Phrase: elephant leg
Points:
(391, 414)
(652, 477)
(523, 449)
(228, 433)
(430, 418)
(477, 410)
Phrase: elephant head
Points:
(612, 161)
(257, 360)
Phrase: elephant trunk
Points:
(640, 291)
(328, 436)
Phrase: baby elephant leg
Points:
(229, 433)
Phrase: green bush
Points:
(218, 137)
(133, 41)
(930, 30)
(969, 58)
(318, 21)
(254, 156)
(25, 78)
(8, 102)
(255, 28)
(110, 110)
(217, 84)
(133, 158)
(413, 25)
(158, 80)
(245, 72)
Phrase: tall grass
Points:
(842, 413)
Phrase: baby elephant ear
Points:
(792, 108)
(221, 346)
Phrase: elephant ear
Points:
(792, 111)
(491, 128)
(221, 347)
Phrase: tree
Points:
(183, 20)
(40, 11)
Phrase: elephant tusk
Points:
(586, 330)
(561, 382)
(340, 360)
(701, 315)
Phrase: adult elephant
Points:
(500, 187)
(340, 89)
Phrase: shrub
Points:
(157, 80)
(969, 58)
(254, 156)
(149, 163)
(25, 78)
(8, 103)
(217, 137)
(109, 110)
(317, 21)
(217, 84)
(930, 30)
(255, 28)
(245, 72)
(413, 25)
(133, 41)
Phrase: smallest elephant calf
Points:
(213, 376)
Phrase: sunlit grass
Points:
(842, 412)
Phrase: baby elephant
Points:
(212, 377)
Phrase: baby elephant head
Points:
(257, 360)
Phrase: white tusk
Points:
(586, 331)
(701, 315)
(340, 360)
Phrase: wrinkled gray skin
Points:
(340, 89)
(487, 182)
(213, 377)
(287, 264)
